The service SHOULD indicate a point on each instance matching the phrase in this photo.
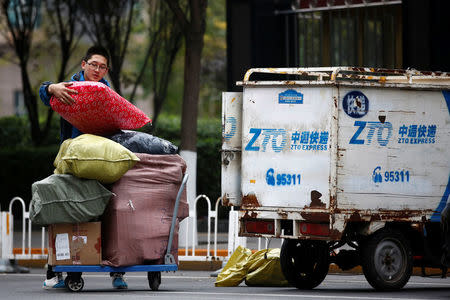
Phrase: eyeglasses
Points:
(95, 66)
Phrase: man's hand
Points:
(62, 92)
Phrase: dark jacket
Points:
(67, 130)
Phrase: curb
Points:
(200, 265)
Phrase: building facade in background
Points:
(11, 96)
(394, 34)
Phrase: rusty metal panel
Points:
(393, 152)
(286, 146)
(231, 148)
(353, 76)
(231, 120)
(379, 152)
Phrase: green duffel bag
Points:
(64, 198)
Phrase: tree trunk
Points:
(114, 74)
(30, 103)
(194, 46)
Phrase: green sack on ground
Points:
(64, 198)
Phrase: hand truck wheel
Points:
(74, 284)
(154, 280)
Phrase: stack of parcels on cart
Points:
(88, 178)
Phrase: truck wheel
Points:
(304, 263)
(387, 260)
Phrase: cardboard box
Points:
(75, 244)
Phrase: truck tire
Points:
(304, 263)
(387, 260)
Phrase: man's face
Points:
(95, 68)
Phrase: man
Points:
(94, 68)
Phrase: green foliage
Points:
(21, 167)
(208, 158)
(53, 136)
(14, 131)
(213, 73)
(168, 127)
(208, 167)
(173, 103)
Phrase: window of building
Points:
(350, 34)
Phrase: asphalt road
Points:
(199, 285)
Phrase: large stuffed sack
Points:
(235, 270)
(94, 157)
(261, 268)
(136, 223)
(264, 269)
(141, 142)
(99, 109)
(63, 198)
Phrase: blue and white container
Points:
(329, 153)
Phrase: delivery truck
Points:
(350, 166)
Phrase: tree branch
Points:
(180, 15)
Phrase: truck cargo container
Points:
(348, 165)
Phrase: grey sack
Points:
(64, 198)
(141, 142)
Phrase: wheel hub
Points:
(388, 260)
